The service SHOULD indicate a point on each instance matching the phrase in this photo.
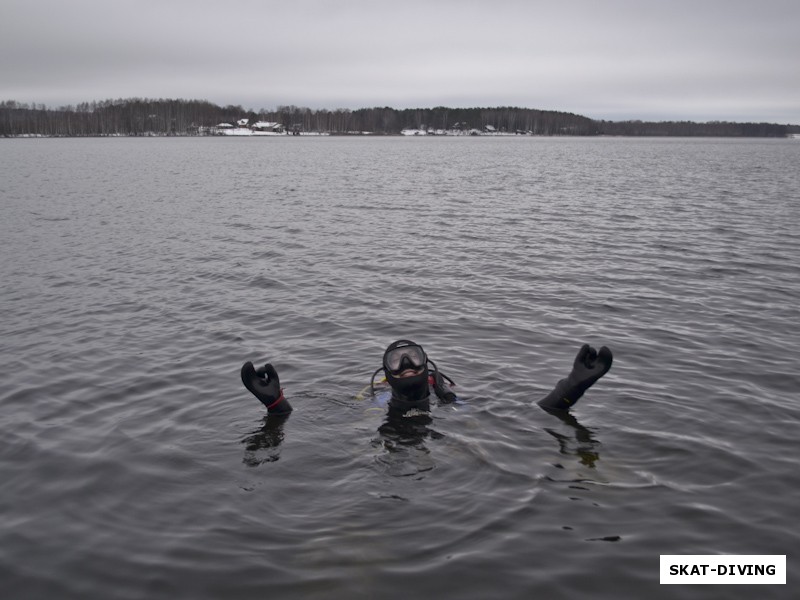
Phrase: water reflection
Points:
(263, 444)
(581, 443)
(402, 440)
(403, 437)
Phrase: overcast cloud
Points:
(618, 59)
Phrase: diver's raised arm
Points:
(589, 366)
(265, 385)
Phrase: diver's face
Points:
(406, 367)
(409, 373)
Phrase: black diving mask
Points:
(406, 355)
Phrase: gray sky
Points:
(617, 59)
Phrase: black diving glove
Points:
(589, 366)
(265, 385)
(442, 389)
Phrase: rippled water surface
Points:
(138, 275)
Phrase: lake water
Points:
(139, 274)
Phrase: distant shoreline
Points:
(137, 117)
(365, 134)
(788, 136)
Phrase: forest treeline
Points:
(140, 117)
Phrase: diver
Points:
(412, 381)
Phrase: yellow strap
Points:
(363, 393)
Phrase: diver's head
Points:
(406, 366)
